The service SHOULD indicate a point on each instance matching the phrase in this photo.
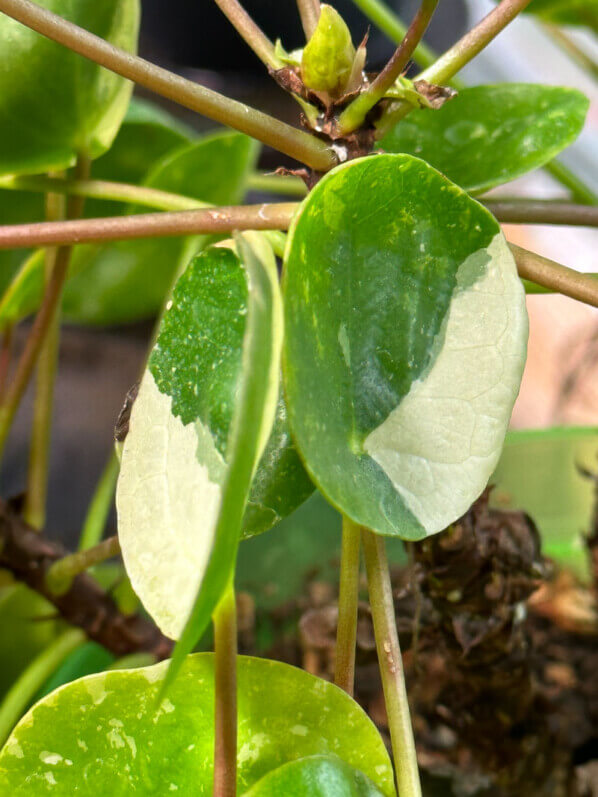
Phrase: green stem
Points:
(391, 665)
(150, 225)
(579, 190)
(251, 33)
(355, 113)
(346, 633)
(33, 678)
(309, 11)
(393, 27)
(61, 574)
(225, 685)
(559, 278)
(277, 184)
(293, 142)
(99, 508)
(34, 510)
(538, 211)
(102, 189)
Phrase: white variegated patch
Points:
(167, 508)
(440, 445)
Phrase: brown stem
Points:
(555, 276)
(28, 555)
(353, 116)
(293, 142)
(526, 211)
(251, 33)
(60, 575)
(35, 341)
(348, 599)
(150, 225)
(309, 11)
(225, 687)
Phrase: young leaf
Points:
(108, 284)
(54, 104)
(177, 458)
(489, 135)
(105, 735)
(315, 776)
(405, 339)
(327, 59)
(535, 458)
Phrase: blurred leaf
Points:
(147, 135)
(126, 281)
(54, 104)
(538, 473)
(27, 625)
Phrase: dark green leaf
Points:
(54, 104)
(405, 339)
(489, 135)
(104, 735)
(316, 776)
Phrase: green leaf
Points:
(54, 104)
(105, 735)
(276, 568)
(489, 135)
(108, 284)
(147, 135)
(27, 626)
(315, 776)
(179, 457)
(538, 473)
(567, 12)
(86, 660)
(405, 339)
(16, 207)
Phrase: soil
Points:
(500, 653)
